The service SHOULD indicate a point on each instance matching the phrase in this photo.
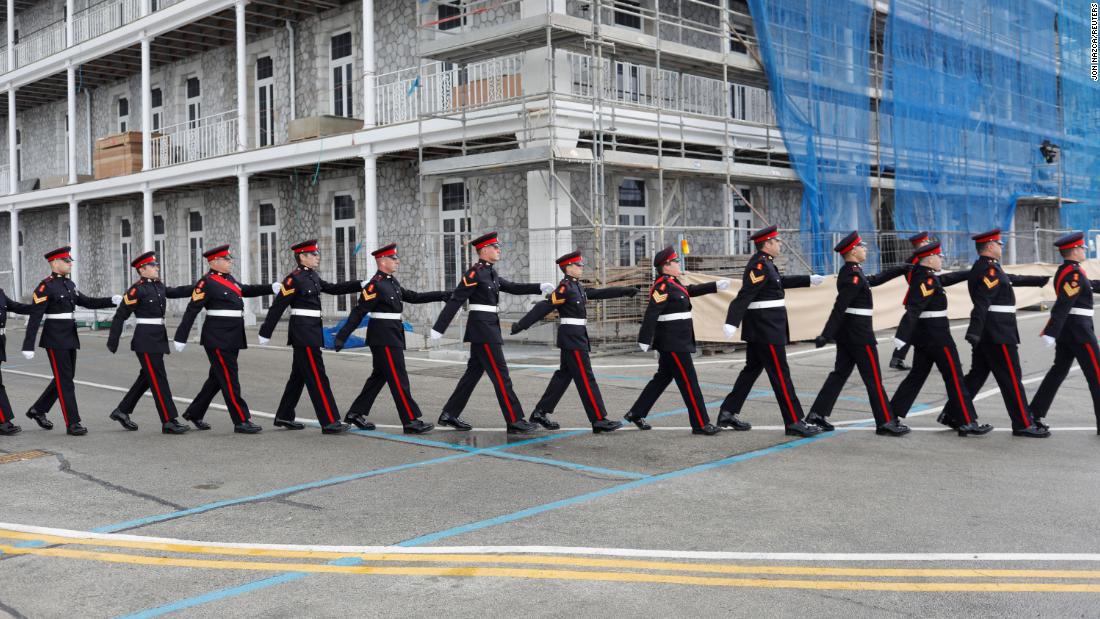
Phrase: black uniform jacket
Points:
(570, 298)
(926, 294)
(302, 290)
(146, 298)
(990, 285)
(219, 291)
(762, 282)
(480, 286)
(385, 295)
(668, 296)
(9, 305)
(1074, 290)
(57, 294)
(853, 290)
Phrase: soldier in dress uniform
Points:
(762, 306)
(219, 293)
(993, 335)
(667, 327)
(481, 286)
(382, 299)
(569, 299)
(897, 359)
(925, 324)
(7, 427)
(850, 325)
(55, 298)
(146, 300)
(1070, 329)
(301, 292)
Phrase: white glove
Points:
(28, 354)
(179, 346)
(276, 287)
(722, 284)
(1049, 341)
(436, 335)
(116, 299)
(364, 283)
(817, 280)
(898, 344)
(546, 288)
(730, 331)
(644, 347)
(264, 340)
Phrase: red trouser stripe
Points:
(878, 384)
(397, 381)
(156, 389)
(229, 385)
(782, 383)
(1095, 366)
(1016, 386)
(500, 384)
(320, 385)
(57, 381)
(690, 388)
(584, 375)
(958, 387)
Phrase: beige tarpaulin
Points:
(809, 308)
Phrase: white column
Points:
(68, 22)
(13, 176)
(145, 8)
(74, 240)
(370, 202)
(70, 79)
(13, 241)
(368, 64)
(147, 220)
(244, 249)
(146, 108)
(242, 84)
(11, 36)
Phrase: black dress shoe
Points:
(335, 428)
(521, 427)
(289, 425)
(606, 425)
(417, 427)
(892, 428)
(944, 419)
(974, 428)
(447, 419)
(124, 420)
(540, 418)
(638, 421)
(198, 423)
(8, 428)
(727, 419)
(173, 427)
(359, 420)
(75, 429)
(710, 430)
(897, 363)
(247, 428)
(820, 422)
(1032, 431)
(40, 419)
(801, 428)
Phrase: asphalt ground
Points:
(659, 523)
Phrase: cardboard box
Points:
(117, 155)
(50, 182)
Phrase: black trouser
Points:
(575, 367)
(152, 376)
(676, 366)
(946, 358)
(900, 353)
(222, 377)
(771, 358)
(1088, 356)
(61, 388)
(1003, 360)
(389, 368)
(864, 357)
(308, 371)
(489, 359)
(6, 416)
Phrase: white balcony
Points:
(104, 17)
(211, 136)
(5, 179)
(39, 44)
(432, 90)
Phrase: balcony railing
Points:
(5, 179)
(404, 95)
(40, 43)
(211, 136)
(104, 17)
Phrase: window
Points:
(18, 155)
(626, 81)
(632, 212)
(126, 248)
(455, 224)
(628, 13)
(66, 143)
(735, 43)
(343, 223)
(265, 90)
(341, 67)
(740, 222)
(158, 238)
(449, 15)
(123, 114)
(194, 101)
(16, 273)
(156, 102)
(194, 243)
(269, 250)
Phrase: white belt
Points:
(1004, 309)
(677, 316)
(859, 311)
(3, 331)
(68, 316)
(226, 313)
(937, 314)
(474, 307)
(577, 322)
(1080, 311)
(305, 312)
(384, 315)
(768, 304)
(149, 321)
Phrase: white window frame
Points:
(451, 26)
(623, 7)
(741, 223)
(269, 234)
(638, 244)
(347, 67)
(347, 245)
(456, 240)
(195, 268)
(126, 249)
(19, 154)
(196, 101)
(157, 111)
(122, 123)
(159, 240)
(265, 88)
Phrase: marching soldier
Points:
(994, 336)
(7, 428)
(146, 299)
(482, 287)
(569, 299)
(55, 298)
(762, 305)
(850, 325)
(897, 359)
(383, 298)
(667, 328)
(301, 291)
(1070, 328)
(925, 323)
(219, 293)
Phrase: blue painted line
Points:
(214, 596)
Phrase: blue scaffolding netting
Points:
(1081, 114)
